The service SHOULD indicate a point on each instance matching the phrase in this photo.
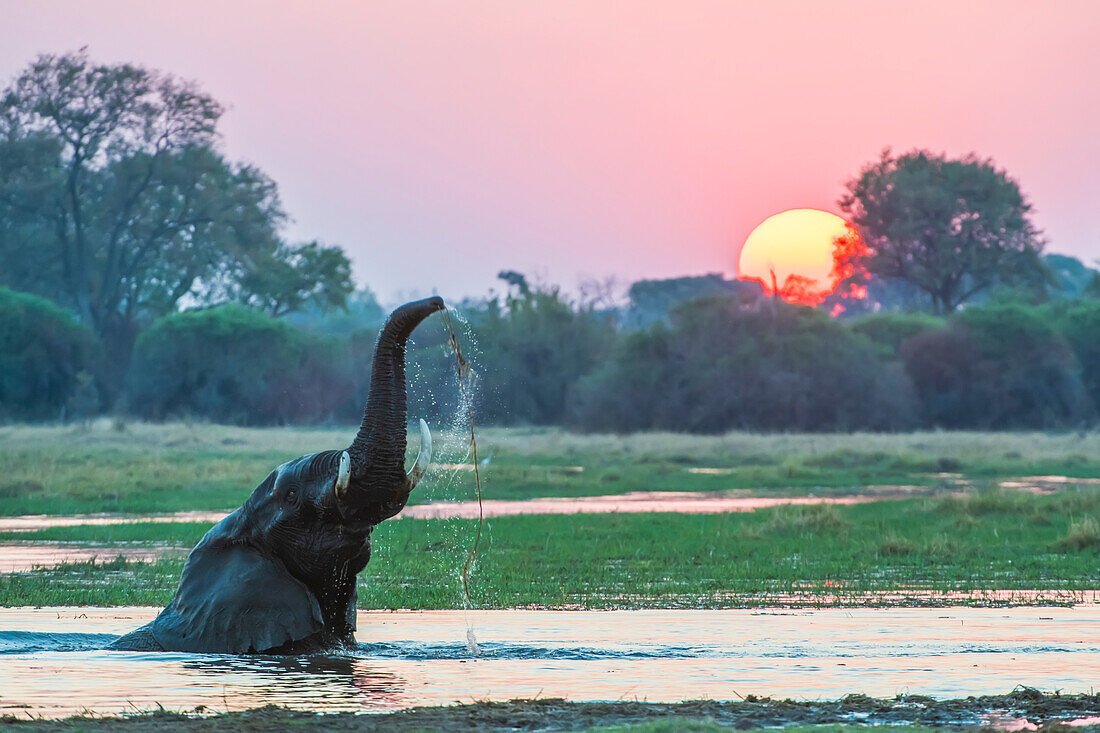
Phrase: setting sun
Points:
(796, 253)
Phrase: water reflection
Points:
(328, 682)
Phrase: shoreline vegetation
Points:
(1013, 711)
(115, 466)
(962, 538)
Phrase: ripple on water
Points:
(27, 642)
(53, 661)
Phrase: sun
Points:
(801, 253)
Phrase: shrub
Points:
(1000, 366)
(236, 364)
(805, 520)
(720, 366)
(890, 329)
(1082, 534)
(46, 357)
(1079, 325)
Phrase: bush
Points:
(721, 366)
(997, 367)
(1079, 325)
(46, 358)
(238, 365)
(890, 329)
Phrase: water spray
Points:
(463, 370)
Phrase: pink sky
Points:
(441, 142)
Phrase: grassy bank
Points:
(986, 541)
(108, 467)
(904, 712)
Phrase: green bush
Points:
(1079, 324)
(721, 366)
(1001, 366)
(890, 329)
(238, 365)
(46, 358)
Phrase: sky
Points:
(442, 142)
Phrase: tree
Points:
(361, 310)
(289, 279)
(1070, 278)
(114, 202)
(653, 300)
(952, 228)
(535, 344)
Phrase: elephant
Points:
(277, 576)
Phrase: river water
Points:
(52, 661)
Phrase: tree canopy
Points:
(951, 228)
(115, 202)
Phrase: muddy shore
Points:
(1021, 709)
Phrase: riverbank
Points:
(1022, 709)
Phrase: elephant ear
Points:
(233, 599)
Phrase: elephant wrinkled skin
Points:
(278, 574)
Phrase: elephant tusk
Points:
(344, 476)
(423, 457)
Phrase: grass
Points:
(141, 468)
(1082, 534)
(989, 541)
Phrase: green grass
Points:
(990, 540)
(143, 468)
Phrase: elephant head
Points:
(278, 574)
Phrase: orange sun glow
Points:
(802, 255)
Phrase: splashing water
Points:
(471, 640)
(465, 377)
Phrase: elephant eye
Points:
(291, 494)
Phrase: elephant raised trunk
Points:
(279, 574)
(374, 469)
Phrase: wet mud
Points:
(1021, 709)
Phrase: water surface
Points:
(52, 662)
(682, 502)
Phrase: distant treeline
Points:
(147, 274)
(718, 362)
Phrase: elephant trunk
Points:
(377, 455)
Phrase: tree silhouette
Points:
(952, 228)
